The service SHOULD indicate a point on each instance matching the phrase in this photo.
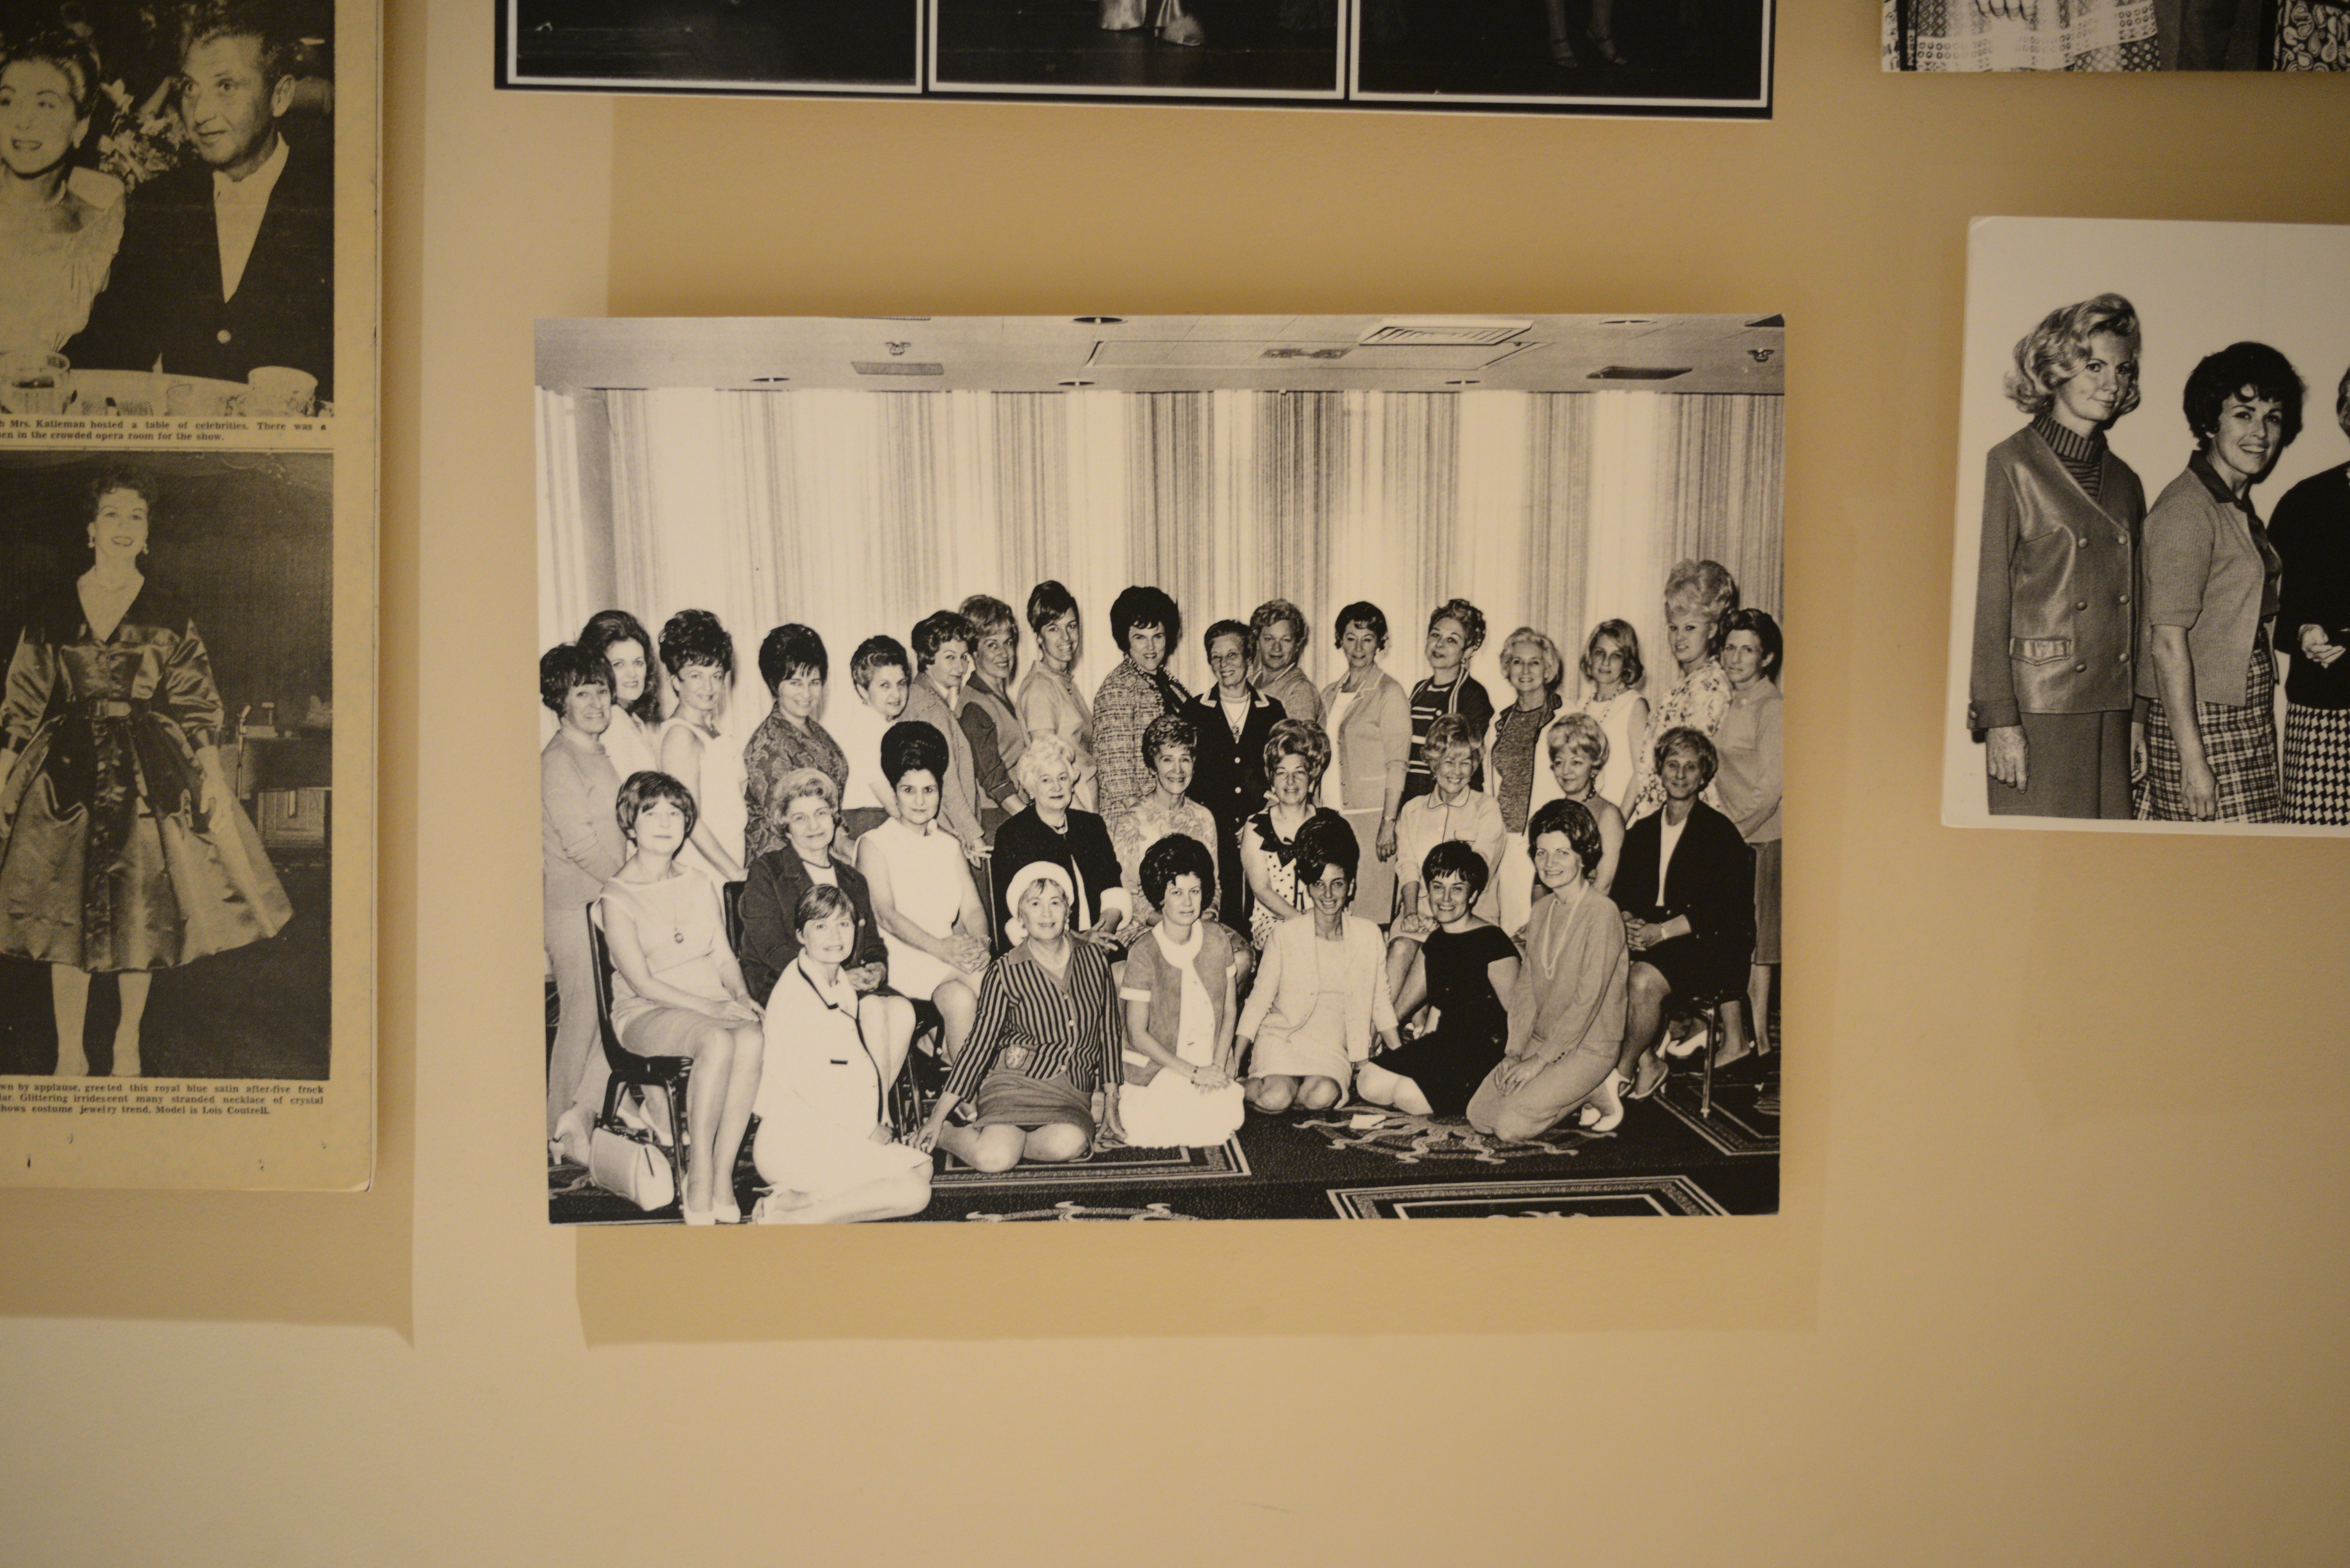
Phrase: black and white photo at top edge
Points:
(2116, 35)
(1163, 768)
(167, 207)
(1177, 48)
(166, 736)
(2151, 589)
(712, 45)
(1684, 56)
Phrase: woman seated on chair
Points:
(1566, 1010)
(924, 899)
(1178, 990)
(1043, 1054)
(676, 991)
(1051, 829)
(799, 809)
(823, 1148)
(1686, 886)
(1460, 970)
(1321, 995)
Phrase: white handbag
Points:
(630, 1164)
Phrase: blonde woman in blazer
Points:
(1369, 720)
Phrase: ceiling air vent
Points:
(1443, 332)
(1293, 352)
(897, 368)
(1637, 373)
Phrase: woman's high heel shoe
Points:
(1561, 52)
(1176, 27)
(1605, 45)
(1644, 1086)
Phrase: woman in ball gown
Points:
(121, 849)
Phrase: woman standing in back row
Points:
(2055, 642)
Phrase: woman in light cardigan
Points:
(1321, 995)
(1369, 720)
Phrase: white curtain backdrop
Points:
(858, 513)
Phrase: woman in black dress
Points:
(1462, 971)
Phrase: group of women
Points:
(1134, 917)
(2125, 656)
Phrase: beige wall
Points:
(2060, 1273)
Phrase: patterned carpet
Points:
(1360, 1162)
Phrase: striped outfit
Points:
(1038, 1047)
(1431, 702)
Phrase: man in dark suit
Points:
(228, 264)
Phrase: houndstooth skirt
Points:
(2317, 765)
(2240, 744)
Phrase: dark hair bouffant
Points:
(792, 649)
(1144, 606)
(913, 746)
(564, 668)
(1325, 841)
(1766, 632)
(1179, 855)
(54, 46)
(640, 790)
(1454, 859)
(1362, 612)
(607, 630)
(2243, 369)
(1570, 817)
(935, 630)
(693, 636)
(114, 479)
(1048, 601)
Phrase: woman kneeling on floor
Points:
(1461, 971)
(1322, 994)
(1040, 1054)
(1566, 1010)
(823, 1148)
(1180, 1092)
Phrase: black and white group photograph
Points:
(167, 242)
(2150, 599)
(2116, 35)
(1708, 58)
(166, 738)
(1160, 768)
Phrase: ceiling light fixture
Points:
(1098, 320)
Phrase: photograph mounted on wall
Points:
(2150, 593)
(1692, 59)
(1160, 768)
(2116, 35)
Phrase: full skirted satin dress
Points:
(110, 860)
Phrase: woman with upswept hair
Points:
(699, 659)
(2056, 633)
(1698, 596)
(621, 641)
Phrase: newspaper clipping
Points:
(188, 301)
